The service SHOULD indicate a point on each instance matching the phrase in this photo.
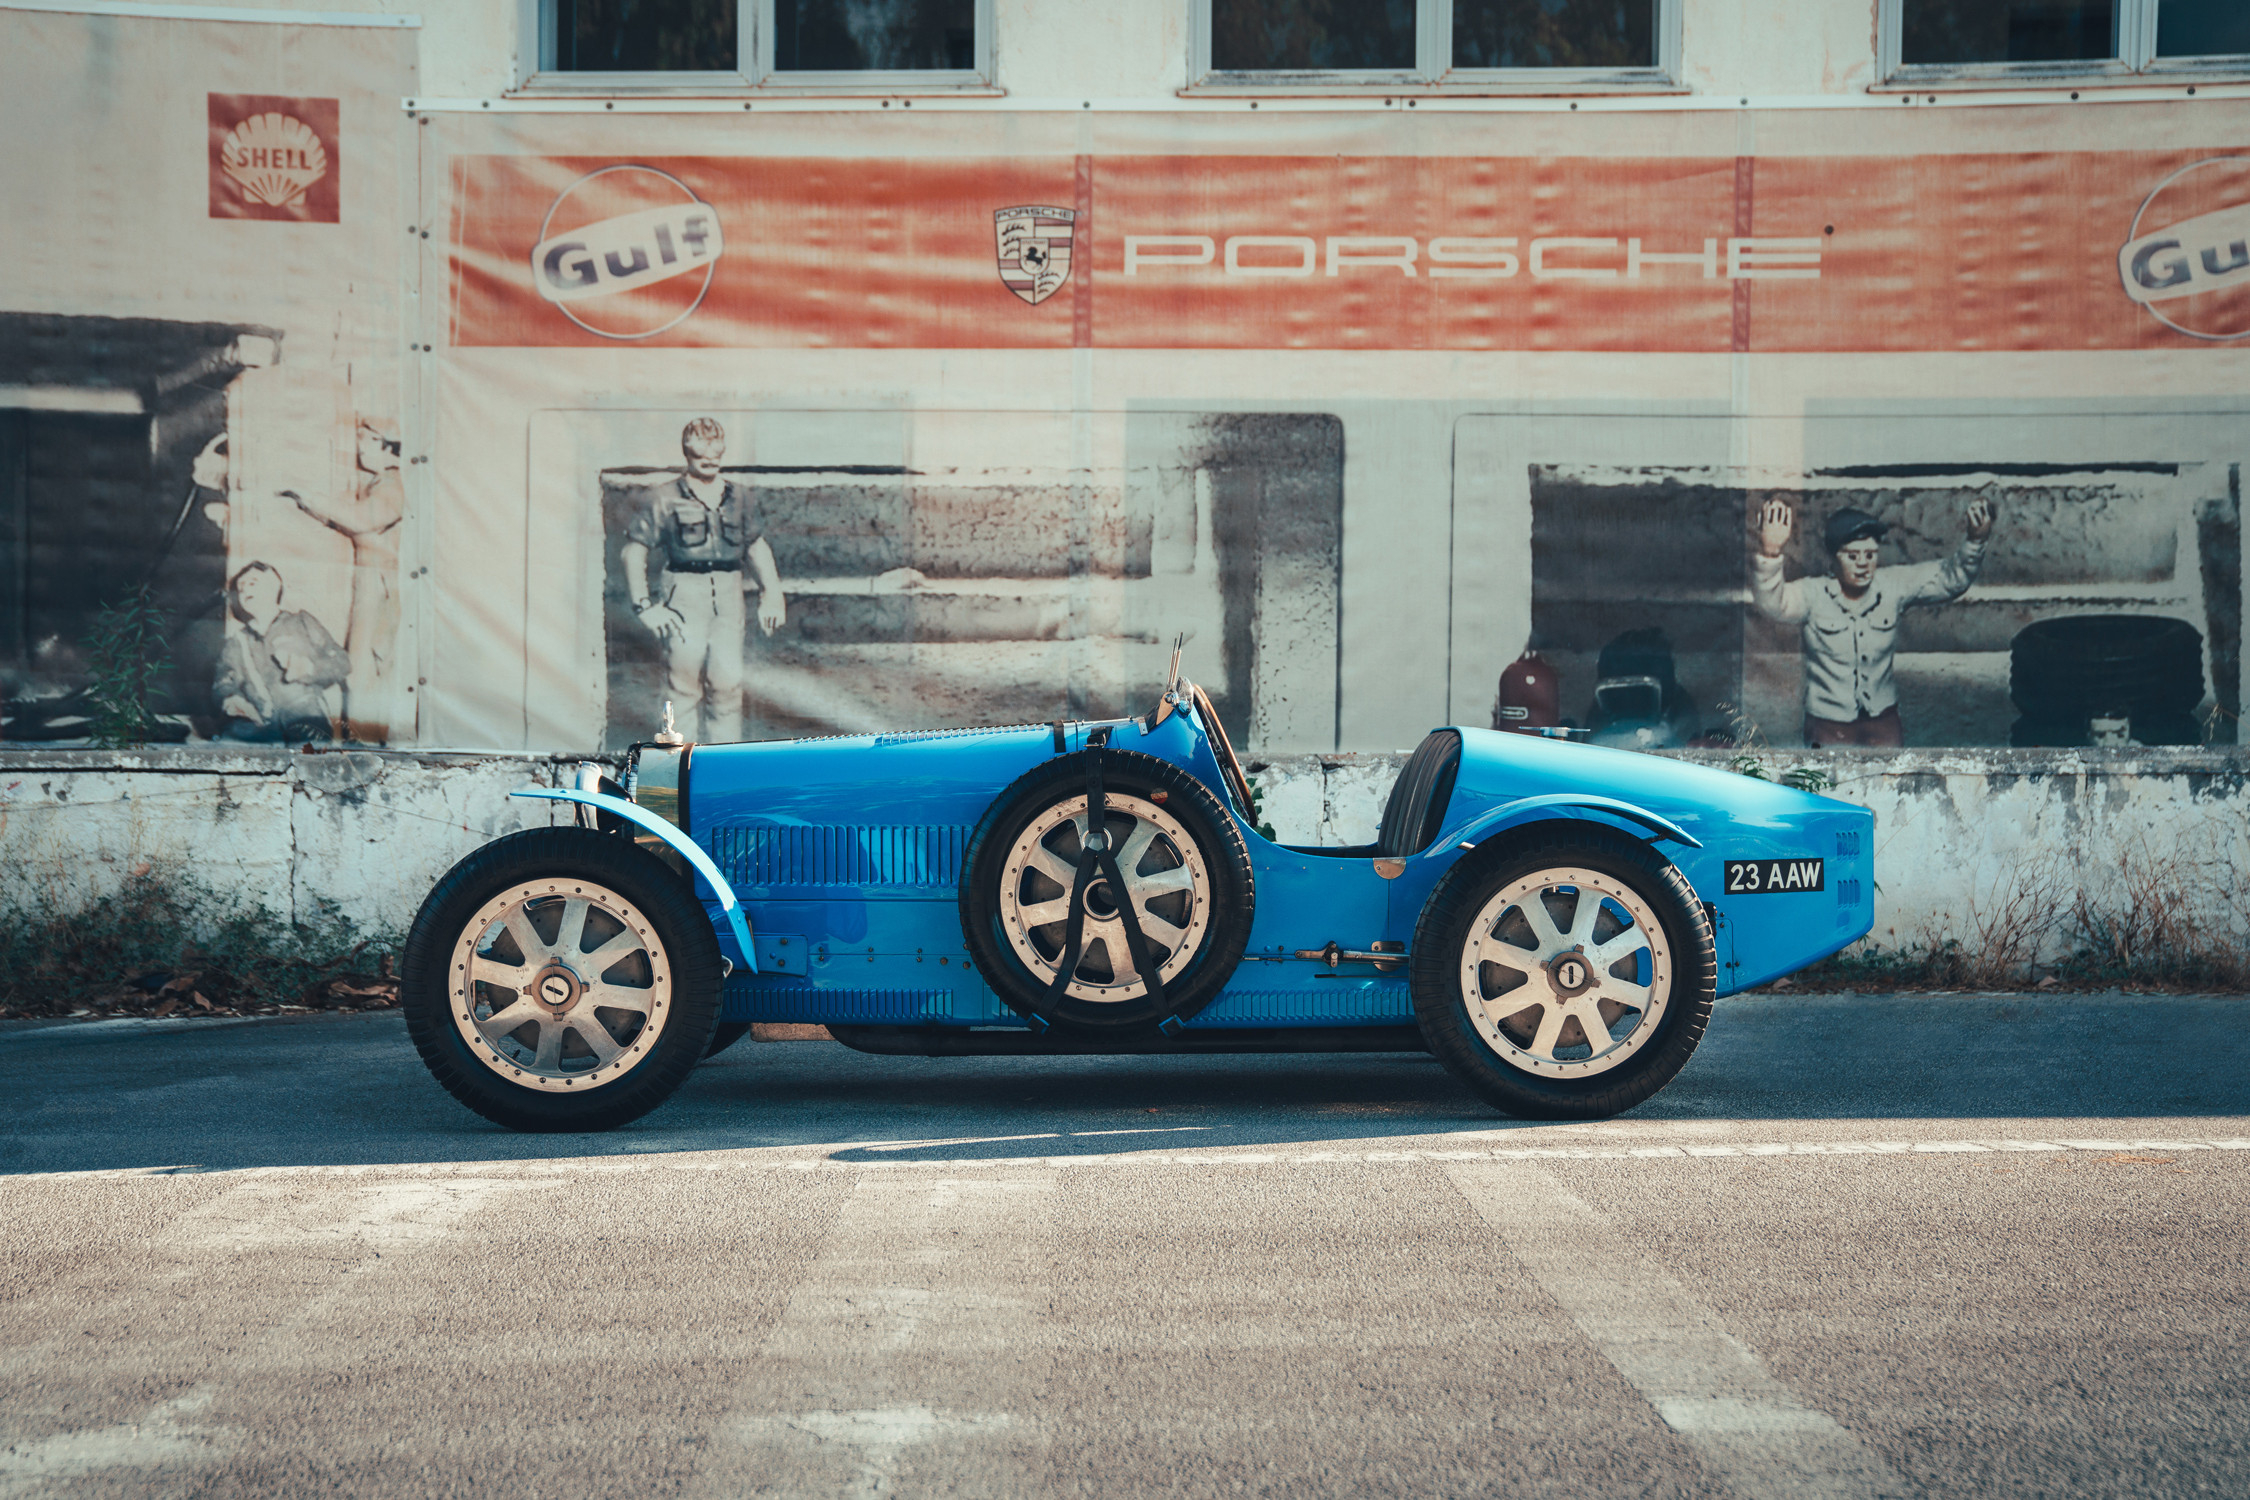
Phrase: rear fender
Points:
(737, 925)
(1618, 814)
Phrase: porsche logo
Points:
(1034, 249)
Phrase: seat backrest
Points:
(1420, 795)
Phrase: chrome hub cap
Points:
(1566, 973)
(560, 985)
(1164, 877)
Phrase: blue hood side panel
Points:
(1735, 817)
(847, 854)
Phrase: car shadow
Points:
(348, 1090)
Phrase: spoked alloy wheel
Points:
(1567, 972)
(561, 979)
(560, 984)
(1166, 881)
(1564, 975)
(1186, 878)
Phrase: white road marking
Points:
(370, 1220)
(795, 1159)
(1747, 1429)
(912, 1271)
(305, 1245)
(876, 1440)
(167, 1439)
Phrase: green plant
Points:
(165, 943)
(1258, 812)
(1750, 741)
(125, 655)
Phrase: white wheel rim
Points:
(1542, 973)
(559, 985)
(1162, 869)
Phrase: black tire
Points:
(2145, 666)
(725, 1035)
(1224, 904)
(681, 969)
(1543, 1085)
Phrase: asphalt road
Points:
(1862, 1247)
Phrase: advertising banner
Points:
(1618, 443)
(2034, 250)
(200, 412)
(512, 426)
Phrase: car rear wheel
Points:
(1185, 872)
(1566, 976)
(561, 979)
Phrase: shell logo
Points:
(274, 158)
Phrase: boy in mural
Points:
(1851, 620)
(369, 519)
(702, 530)
(274, 673)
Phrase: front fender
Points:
(674, 839)
(1638, 821)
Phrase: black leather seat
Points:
(1420, 795)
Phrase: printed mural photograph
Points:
(793, 572)
(1927, 605)
(132, 501)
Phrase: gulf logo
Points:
(2186, 257)
(627, 252)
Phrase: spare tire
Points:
(2143, 666)
(1177, 850)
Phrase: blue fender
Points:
(1608, 809)
(697, 860)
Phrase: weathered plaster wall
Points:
(1963, 837)
(1971, 845)
(366, 832)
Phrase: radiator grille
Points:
(749, 999)
(1381, 1002)
(840, 855)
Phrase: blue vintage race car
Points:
(1551, 920)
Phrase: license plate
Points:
(1774, 877)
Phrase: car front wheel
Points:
(561, 979)
(1566, 976)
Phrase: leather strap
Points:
(1104, 862)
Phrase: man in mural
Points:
(702, 530)
(275, 672)
(369, 518)
(1851, 620)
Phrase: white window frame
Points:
(754, 40)
(1433, 71)
(2135, 59)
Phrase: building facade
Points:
(497, 373)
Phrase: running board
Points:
(1013, 1041)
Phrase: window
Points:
(691, 44)
(1394, 43)
(1984, 39)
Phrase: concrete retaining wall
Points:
(1977, 846)
(365, 832)
(1988, 848)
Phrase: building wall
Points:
(1975, 848)
(1350, 490)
